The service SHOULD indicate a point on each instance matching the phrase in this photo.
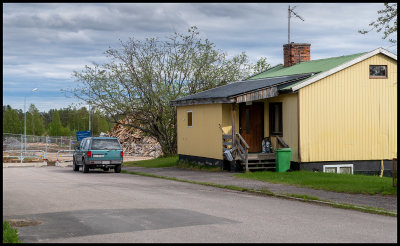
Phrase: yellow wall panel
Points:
(204, 138)
(348, 116)
(289, 121)
(227, 118)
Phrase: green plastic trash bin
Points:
(282, 161)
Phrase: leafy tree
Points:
(142, 77)
(55, 127)
(261, 65)
(386, 21)
(29, 124)
(99, 123)
(38, 123)
(34, 121)
(11, 121)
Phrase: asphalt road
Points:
(109, 207)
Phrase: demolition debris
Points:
(134, 141)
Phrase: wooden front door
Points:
(251, 125)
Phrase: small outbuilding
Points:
(336, 115)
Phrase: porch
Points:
(239, 150)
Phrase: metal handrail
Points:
(21, 156)
(58, 153)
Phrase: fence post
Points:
(70, 144)
(46, 149)
(21, 150)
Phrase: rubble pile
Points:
(134, 142)
(11, 143)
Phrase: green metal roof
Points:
(313, 66)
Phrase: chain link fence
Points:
(15, 146)
(53, 149)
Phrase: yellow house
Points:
(336, 115)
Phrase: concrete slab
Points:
(28, 164)
(63, 164)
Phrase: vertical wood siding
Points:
(348, 116)
(227, 118)
(204, 139)
(289, 121)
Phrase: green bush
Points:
(10, 235)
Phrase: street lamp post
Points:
(25, 119)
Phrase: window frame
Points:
(272, 119)
(83, 144)
(191, 118)
(338, 166)
(380, 76)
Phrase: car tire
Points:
(74, 165)
(85, 168)
(117, 168)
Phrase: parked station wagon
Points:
(98, 152)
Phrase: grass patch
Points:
(170, 161)
(10, 235)
(305, 197)
(346, 183)
(195, 166)
(356, 184)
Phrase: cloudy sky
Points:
(43, 43)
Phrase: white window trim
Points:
(339, 166)
(187, 113)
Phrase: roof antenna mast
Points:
(290, 13)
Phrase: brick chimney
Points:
(295, 53)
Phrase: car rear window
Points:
(98, 144)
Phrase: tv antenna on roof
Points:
(290, 13)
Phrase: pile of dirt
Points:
(134, 142)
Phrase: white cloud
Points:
(43, 43)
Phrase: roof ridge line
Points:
(263, 71)
(281, 76)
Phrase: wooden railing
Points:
(226, 142)
(281, 142)
(238, 146)
(243, 151)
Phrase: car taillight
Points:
(89, 153)
(122, 154)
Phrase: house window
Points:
(377, 71)
(190, 119)
(340, 168)
(275, 119)
(247, 121)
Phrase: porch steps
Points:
(259, 161)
